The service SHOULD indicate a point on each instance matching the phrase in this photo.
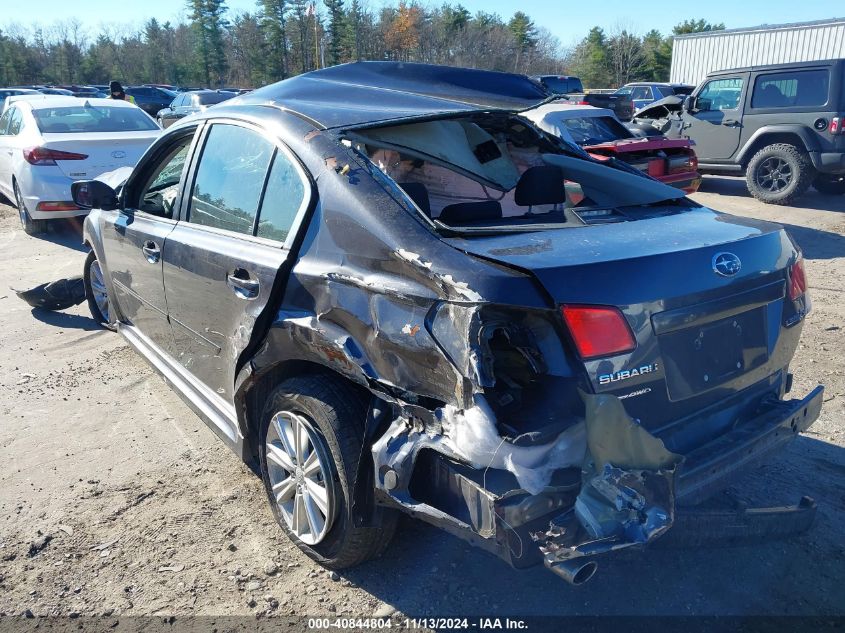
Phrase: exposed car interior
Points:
(489, 171)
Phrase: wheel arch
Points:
(254, 388)
(790, 134)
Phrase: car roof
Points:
(362, 93)
(789, 66)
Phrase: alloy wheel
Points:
(774, 174)
(300, 476)
(98, 289)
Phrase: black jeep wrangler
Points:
(782, 125)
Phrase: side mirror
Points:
(93, 194)
(689, 103)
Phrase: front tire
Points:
(779, 173)
(30, 226)
(830, 185)
(310, 445)
(96, 294)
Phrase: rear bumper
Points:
(689, 182)
(48, 184)
(714, 466)
(828, 162)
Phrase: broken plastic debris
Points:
(55, 295)
(472, 435)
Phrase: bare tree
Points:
(626, 56)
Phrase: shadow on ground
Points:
(66, 321)
(735, 187)
(429, 573)
(817, 244)
(66, 232)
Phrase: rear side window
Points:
(641, 92)
(791, 89)
(282, 200)
(15, 122)
(230, 178)
(4, 121)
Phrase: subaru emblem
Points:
(726, 264)
(118, 154)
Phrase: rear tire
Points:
(96, 294)
(30, 226)
(333, 414)
(779, 173)
(829, 184)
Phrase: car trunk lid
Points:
(104, 151)
(701, 335)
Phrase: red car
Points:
(599, 132)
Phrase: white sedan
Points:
(48, 142)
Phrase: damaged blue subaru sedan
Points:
(384, 285)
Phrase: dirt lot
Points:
(116, 498)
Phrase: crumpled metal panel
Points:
(627, 496)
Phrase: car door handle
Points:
(242, 284)
(151, 251)
(731, 123)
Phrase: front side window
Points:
(230, 178)
(720, 94)
(791, 89)
(161, 187)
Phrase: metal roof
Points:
(763, 27)
(362, 93)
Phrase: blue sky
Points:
(566, 19)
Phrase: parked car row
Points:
(779, 125)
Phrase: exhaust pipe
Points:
(575, 571)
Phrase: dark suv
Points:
(150, 98)
(781, 125)
(395, 293)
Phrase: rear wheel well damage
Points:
(254, 395)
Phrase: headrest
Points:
(464, 212)
(540, 185)
(419, 194)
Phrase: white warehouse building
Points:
(696, 54)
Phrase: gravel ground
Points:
(115, 498)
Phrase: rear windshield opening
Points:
(88, 118)
(494, 173)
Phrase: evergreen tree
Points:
(338, 45)
(274, 25)
(208, 23)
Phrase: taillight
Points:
(797, 279)
(56, 206)
(835, 125)
(598, 330)
(582, 102)
(45, 156)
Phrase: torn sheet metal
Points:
(628, 491)
(55, 295)
(470, 435)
